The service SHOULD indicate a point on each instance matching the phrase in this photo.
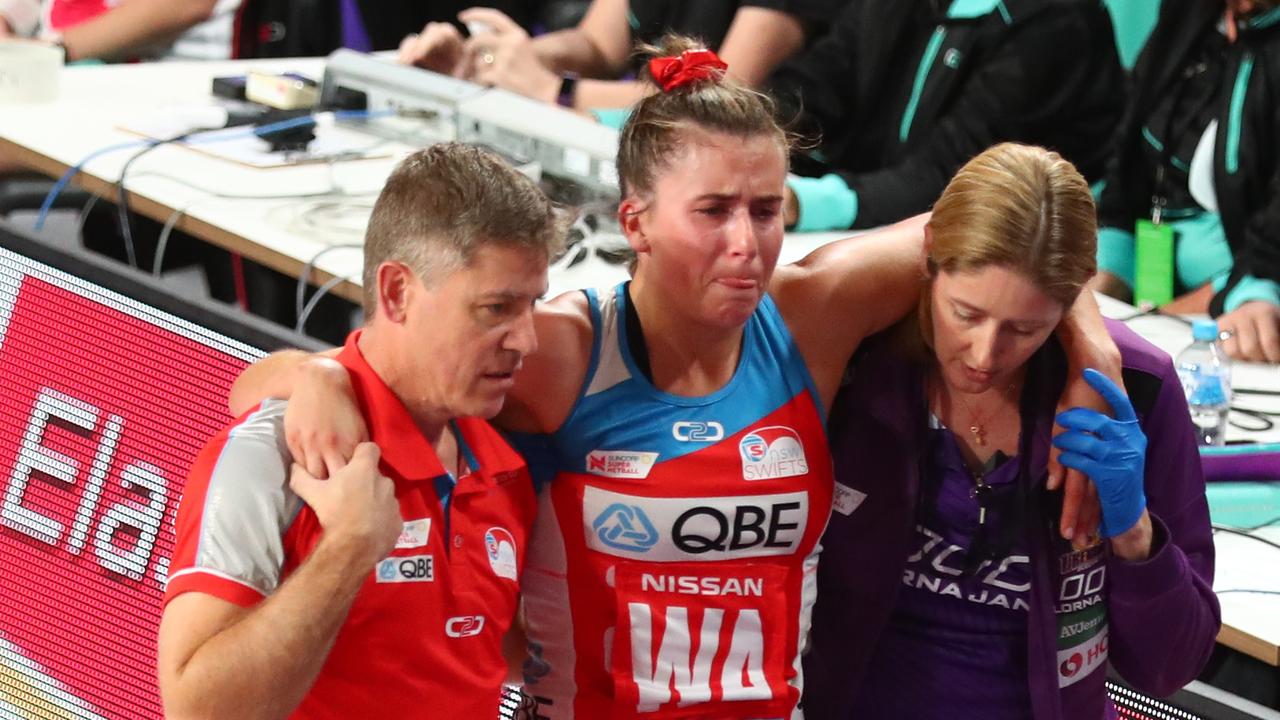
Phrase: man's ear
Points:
(397, 283)
(631, 219)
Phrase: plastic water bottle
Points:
(1205, 372)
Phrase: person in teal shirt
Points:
(1195, 175)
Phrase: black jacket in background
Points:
(1044, 72)
(1246, 162)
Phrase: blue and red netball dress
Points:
(672, 567)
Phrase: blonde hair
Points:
(655, 131)
(1020, 207)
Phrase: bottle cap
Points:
(1204, 329)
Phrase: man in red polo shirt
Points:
(386, 588)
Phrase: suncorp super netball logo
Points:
(772, 452)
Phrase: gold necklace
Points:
(976, 425)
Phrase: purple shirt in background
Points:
(955, 645)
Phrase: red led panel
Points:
(103, 405)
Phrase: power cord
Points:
(214, 135)
(122, 204)
(315, 300)
(1245, 533)
(303, 309)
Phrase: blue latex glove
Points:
(1111, 451)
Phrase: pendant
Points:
(978, 435)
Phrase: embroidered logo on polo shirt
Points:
(414, 534)
(772, 452)
(413, 568)
(621, 463)
(501, 549)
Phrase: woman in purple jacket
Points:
(944, 591)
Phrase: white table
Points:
(96, 101)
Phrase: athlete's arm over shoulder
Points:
(848, 290)
(548, 382)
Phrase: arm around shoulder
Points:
(848, 290)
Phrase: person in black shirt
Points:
(902, 93)
(1197, 173)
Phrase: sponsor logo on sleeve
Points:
(691, 431)
(626, 464)
(464, 626)
(772, 452)
(500, 546)
(413, 568)
(703, 528)
(414, 534)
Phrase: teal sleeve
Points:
(1250, 289)
(826, 203)
(1116, 253)
(612, 117)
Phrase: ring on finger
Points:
(486, 58)
(1226, 335)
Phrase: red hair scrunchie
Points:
(692, 65)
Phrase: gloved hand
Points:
(1111, 451)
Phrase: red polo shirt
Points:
(424, 636)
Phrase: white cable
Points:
(315, 300)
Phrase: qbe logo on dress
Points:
(697, 528)
(624, 527)
(773, 452)
(412, 568)
(500, 546)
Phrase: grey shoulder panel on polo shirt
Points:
(249, 505)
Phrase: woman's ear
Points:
(632, 220)
(926, 252)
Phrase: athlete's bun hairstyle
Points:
(697, 94)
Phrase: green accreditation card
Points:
(1153, 274)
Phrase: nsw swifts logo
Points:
(772, 452)
(501, 549)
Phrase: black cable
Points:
(1246, 590)
(122, 205)
(1246, 533)
(1265, 424)
(1254, 391)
